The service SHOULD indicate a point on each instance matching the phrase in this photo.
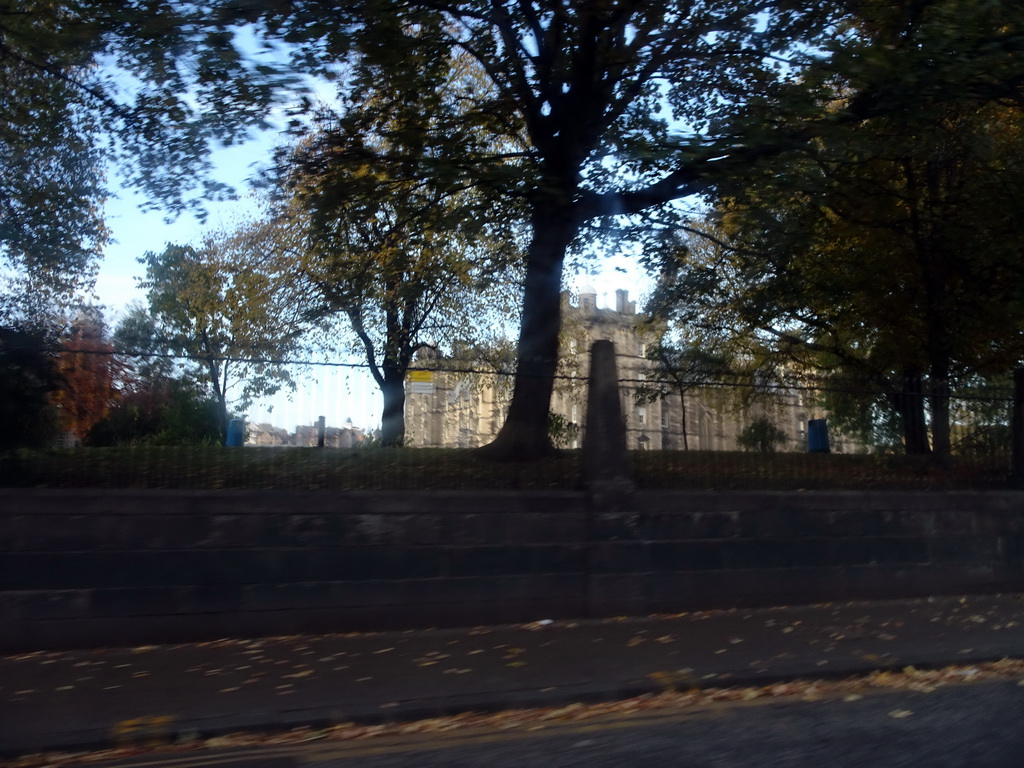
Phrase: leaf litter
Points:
(847, 690)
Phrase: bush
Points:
(762, 436)
(28, 374)
(171, 412)
(562, 431)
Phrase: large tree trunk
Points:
(682, 403)
(909, 404)
(392, 422)
(217, 381)
(524, 436)
(938, 401)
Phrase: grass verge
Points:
(415, 469)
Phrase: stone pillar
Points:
(605, 460)
(1017, 431)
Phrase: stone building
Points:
(467, 410)
(304, 435)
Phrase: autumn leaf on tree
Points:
(88, 369)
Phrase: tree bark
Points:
(938, 401)
(1017, 430)
(392, 422)
(524, 435)
(909, 404)
(220, 392)
(682, 403)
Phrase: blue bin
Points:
(236, 433)
(817, 436)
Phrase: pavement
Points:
(96, 698)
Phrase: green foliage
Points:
(762, 436)
(561, 430)
(172, 412)
(157, 403)
(571, 118)
(982, 413)
(866, 418)
(28, 376)
(401, 250)
(144, 88)
(229, 309)
(602, 109)
(141, 341)
(51, 179)
(881, 260)
(429, 469)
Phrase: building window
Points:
(641, 415)
(664, 418)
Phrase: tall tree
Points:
(596, 90)
(158, 403)
(677, 370)
(28, 378)
(408, 256)
(88, 371)
(141, 88)
(227, 307)
(627, 105)
(891, 256)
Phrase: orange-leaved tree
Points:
(88, 373)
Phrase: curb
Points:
(168, 729)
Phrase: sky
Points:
(338, 394)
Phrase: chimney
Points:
(622, 303)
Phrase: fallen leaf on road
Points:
(635, 641)
(899, 714)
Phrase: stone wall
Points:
(91, 568)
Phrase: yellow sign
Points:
(421, 382)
